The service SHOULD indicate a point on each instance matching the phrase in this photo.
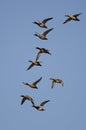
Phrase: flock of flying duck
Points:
(42, 36)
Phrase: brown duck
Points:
(42, 23)
(40, 107)
(41, 51)
(43, 35)
(33, 85)
(33, 63)
(56, 80)
(26, 97)
(72, 17)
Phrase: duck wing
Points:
(47, 19)
(38, 55)
(24, 98)
(67, 20)
(53, 83)
(47, 31)
(75, 15)
(43, 103)
(30, 66)
(37, 81)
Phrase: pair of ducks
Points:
(33, 85)
(36, 62)
(40, 107)
(42, 24)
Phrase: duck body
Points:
(33, 85)
(40, 107)
(72, 17)
(56, 80)
(43, 35)
(41, 51)
(42, 24)
(33, 63)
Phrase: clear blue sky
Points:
(67, 107)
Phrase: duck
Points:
(56, 80)
(41, 51)
(72, 17)
(34, 84)
(43, 35)
(40, 107)
(42, 23)
(33, 63)
(26, 97)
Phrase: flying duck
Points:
(42, 23)
(56, 80)
(72, 17)
(33, 85)
(25, 97)
(43, 35)
(40, 107)
(33, 63)
(41, 51)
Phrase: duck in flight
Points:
(26, 97)
(42, 23)
(72, 17)
(34, 84)
(33, 63)
(41, 51)
(40, 107)
(43, 35)
(56, 80)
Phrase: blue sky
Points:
(67, 107)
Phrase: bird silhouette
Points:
(41, 51)
(33, 63)
(40, 107)
(26, 97)
(43, 35)
(42, 23)
(72, 17)
(34, 84)
(56, 80)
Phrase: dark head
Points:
(38, 48)
(35, 34)
(25, 83)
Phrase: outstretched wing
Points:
(37, 81)
(47, 19)
(53, 83)
(32, 101)
(43, 103)
(75, 15)
(30, 66)
(46, 32)
(24, 98)
(67, 20)
(38, 55)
